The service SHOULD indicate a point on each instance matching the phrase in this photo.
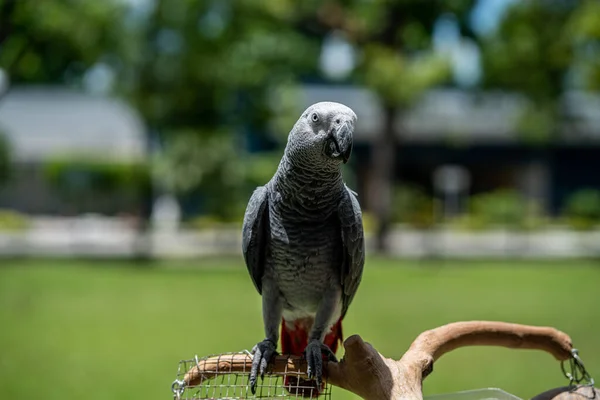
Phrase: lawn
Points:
(114, 330)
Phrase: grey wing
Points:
(255, 234)
(353, 243)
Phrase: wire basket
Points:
(225, 376)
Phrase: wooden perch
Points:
(367, 373)
(241, 363)
(370, 375)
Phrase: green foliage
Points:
(191, 161)
(537, 125)
(57, 40)
(399, 79)
(411, 205)
(212, 65)
(398, 63)
(394, 38)
(259, 168)
(197, 71)
(13, 221)
(582, 210)
(202, 163)
(77, 177)
(206, 70)
(200, 71)
(584, 30)
(529, 53)
(208, 221)
(539, 48)
(500, 208)
(285, 109)
(191, 157)
(228, 196)
(213, 165)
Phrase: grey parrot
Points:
(303, 244)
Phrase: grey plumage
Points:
(302, 233)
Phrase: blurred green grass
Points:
(114, 330)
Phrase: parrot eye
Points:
(314, 117)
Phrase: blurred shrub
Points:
(468, 222)
(211, 170)
(204, 165)
(412, 206)
(84, 174)
(192, 157)
(202, 222)
(226, 188)
(13, 221)
(582, 210)
(84, 182)
(504, 208)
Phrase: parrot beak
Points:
(342, 142)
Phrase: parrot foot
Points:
(262, 354)
(314, 353)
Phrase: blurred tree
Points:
(57, 41)
(582, 209)
(540, 49)
(397, 61)
(72, 42)
(205, 71)
(584, 29)
(199, 72)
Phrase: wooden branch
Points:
(486, 333)
(241, 363)
(370, 375)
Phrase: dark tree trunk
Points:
(143, 249)
(383, 165)
(148, 86)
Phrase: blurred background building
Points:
(43, 124)
(157, 119)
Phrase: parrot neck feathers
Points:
(316, 187)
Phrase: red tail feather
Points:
(294, 340)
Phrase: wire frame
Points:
(225, 376)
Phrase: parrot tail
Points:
(294, 339)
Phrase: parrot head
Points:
(324, 131)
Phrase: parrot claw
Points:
(314, 353)
(262, 354)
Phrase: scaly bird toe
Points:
(263, 352)
(314, 356)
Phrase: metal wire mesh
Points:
(225, 376)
